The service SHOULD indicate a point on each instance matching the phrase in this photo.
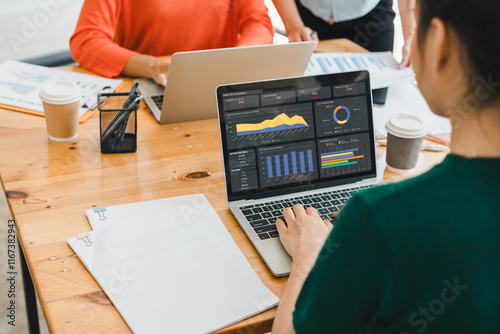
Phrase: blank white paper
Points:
(174, 269)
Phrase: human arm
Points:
(93, 47)
(349, 278)
(303, 237)
(254, 24)
(92, 44)
(409, 24)
(140, 65)
(295, 28)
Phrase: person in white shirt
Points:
(369, 23)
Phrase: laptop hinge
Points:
(297, 194)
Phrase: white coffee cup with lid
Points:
(61, 106)
(405, 134)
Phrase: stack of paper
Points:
(407, 99)
(382, 66)
(20, 85)
(170, 266)
(403, 97)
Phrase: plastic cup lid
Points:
(60, 92)
(406, 126)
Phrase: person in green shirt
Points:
(422, 255)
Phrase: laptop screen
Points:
(290, 135)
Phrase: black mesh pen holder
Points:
(118, 126)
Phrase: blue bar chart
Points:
(288, 163)
(270, 170)
(281, 165)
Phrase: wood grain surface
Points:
(50, 185)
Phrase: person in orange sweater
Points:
(114, 37)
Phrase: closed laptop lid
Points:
(296, 134)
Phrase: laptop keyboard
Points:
(158, 100)
(262, 217)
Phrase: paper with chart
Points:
(407, 99)
(382, 66)
(171, 266)
(20, 84)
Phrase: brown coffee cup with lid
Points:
(61, 106)
(405, 134)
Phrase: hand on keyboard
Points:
(262, 217)
(304, 233)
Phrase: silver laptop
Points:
(307, 140)
(193, 76)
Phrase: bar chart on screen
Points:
(274, 163)
(287, 163)
(344, 155)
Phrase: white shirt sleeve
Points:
(340, 10)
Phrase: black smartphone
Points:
(379, 95)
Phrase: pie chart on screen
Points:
(341, 114)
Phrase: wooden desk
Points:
(50, 185)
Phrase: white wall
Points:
(32, 28)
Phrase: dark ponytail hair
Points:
(476, 24)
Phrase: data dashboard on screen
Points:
(296, 135)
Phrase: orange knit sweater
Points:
(109, 32)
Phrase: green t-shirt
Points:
(419, 256)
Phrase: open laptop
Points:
(193, 76)
(307, 140)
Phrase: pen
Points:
(131, 101)
(131, 97)
(132, 104)
(425, 146)
(120, 119)
(438, 139)
(115, 123)
(120, 136)
(435, 147)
